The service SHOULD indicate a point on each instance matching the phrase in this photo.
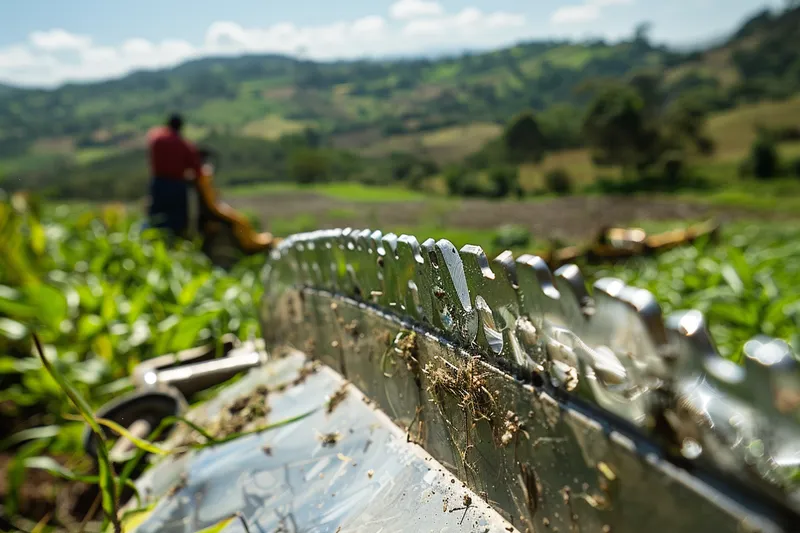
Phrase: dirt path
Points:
(567, 218)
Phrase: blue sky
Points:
(46, 42)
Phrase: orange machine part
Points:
(249, 240)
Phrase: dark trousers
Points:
(169, 204)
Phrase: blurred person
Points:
(174, 164)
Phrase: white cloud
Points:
(586, 12)
(15, 57)
(55, 56)
(369, 25)
(59, 39)
(469, 20)
(339, 39)
(410, 9)
(138, 47)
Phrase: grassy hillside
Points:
(441, 110)
(734, 131)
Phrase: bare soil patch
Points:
(573, 218)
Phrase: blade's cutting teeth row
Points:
(612, 347)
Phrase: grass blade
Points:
(37, 433)
(219, 526)
(139, 443)
(56, 469)
(106, 481)
(136, 517)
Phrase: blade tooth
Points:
(320, 257)
(697, 357)
(324, 260)
(426, 280)
(565, 348)
(492, 288)
(458, 314)
(706, 386)
(390, 292)
(773, 378)
(626, 343)
(574, 297)
(644, 332)
(746, 416)
(563, 331)
(540, 305)
(335, 256)
(376, 243)
(344, 246)
(300, 262)
(507, 306)
(479, 278)
(347, 235)
(539, 297)
(362, 268)
(409, 259)
(390, 243)
(374, 272)
(335, 242)
(309, 256)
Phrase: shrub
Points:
(705, 145)
(764, 156)
(745, 168)
(523, 139)
(416, 180)
(559, 181)
(461, 182)
(308, 165)
(504, 181)
(471, 185)
(453, 177)
(795, 167)
(511, 236)
(672, 169)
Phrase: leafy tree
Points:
(615, 127)
(685, 123)
(673, 168)
(561, 126)
(641, 35)
(307, 165)
(648, 85)
(505, 181)
(511, 236)
(463, 182)
(558, 181)
(523, 139)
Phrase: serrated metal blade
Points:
(661, 381)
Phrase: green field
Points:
(446, 145)
(103, 296)
(734, 131)
(355, 192)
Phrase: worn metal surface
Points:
(566, 410)
(287, 479)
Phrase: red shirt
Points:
(171, 156)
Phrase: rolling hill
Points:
(375, 107)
